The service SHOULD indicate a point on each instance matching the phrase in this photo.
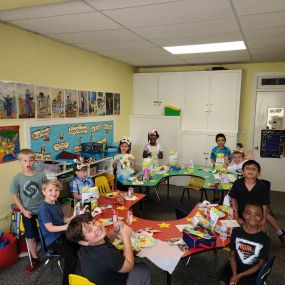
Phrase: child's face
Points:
(250, 171)
(252, 215)
(51, 193)
(152, 139)
(221, 141)
(93, 232)
(82, 173)
(27, 162)
(237, 158)
(124, 148)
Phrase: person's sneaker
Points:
(32, 267)
(282, 238)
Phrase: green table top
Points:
(202, 172)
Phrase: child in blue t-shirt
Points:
(53, 226)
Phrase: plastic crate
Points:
(110, 152)
(8, 253)
(50, 166)
(171, 111)
(92, 147)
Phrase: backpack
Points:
(193, 238)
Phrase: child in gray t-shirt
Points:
(27, 195)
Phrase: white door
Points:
(195, 113)
(272, 168)
(146, 94)
(171, 90)
(224, 100)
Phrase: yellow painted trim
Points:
(14, 4)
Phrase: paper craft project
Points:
(229, 223)
(88, 193)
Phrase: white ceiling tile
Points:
(96, 36)
(263, 21)
(173, 12)
(115, 4)
(268, 51)
(70, 7)
(266, 42)
(225, 37)
(269, 57)
(247, 7)
(264, 33)
(200, 28)
(69, 23)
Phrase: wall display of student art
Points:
(92, 99)
(26, 100)
(70, 103)
(57, 103)
(116, 104)
(82, 103)
(43, 102)
(109, 103)
(48, 141)
(9, 143)
(8, 104)
(101, 104)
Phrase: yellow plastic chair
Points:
(195, 183)
(78, 280)
(102, 184)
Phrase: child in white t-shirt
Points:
(153, 149)
(238, 159)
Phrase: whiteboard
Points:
(168, 128)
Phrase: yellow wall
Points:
(27, 57)
(249, 70)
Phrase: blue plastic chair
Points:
(265, 271)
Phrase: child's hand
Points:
(126, 231)
(131, 158)
(234, 279)
(117, 227)
(27, 214)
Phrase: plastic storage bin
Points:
(8, 253)
(92, 147)
(110, 152)
(171, 111)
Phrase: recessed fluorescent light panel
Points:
(215, 47)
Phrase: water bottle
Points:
(130, 192)
(130, 217)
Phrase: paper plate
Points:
(138, 242)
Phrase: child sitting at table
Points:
(80, 180)
(250, 189)
(153, 149)
(101, 262)
(249, 249)
(124, 163)
(238, 159)
(53, 226)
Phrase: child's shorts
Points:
(30, 224)
(227, 274)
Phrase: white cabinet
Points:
(154, 91)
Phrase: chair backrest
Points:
(78, 280)
(46, 252)
(180, 213)
(102, 184)
(265, 271)
(196, 183)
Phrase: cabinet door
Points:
(195, 113)
(145, 94)
(171, 90)
(224, 100)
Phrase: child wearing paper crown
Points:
(81, 179)
(124, 163)
(153, 149)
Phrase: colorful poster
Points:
(117, 104)
(26, 100)
(49, 141)
(8, 104)
(101, 104)
(9, 143)
(83, 103)
(109, 103)
(43, 102)
(57, 103)
(70, 103)
(92, 103)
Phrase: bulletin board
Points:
(272, 143)
(47, 141)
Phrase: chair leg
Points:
(40, 273)
(157, 194)
(59, 265)
(188, 260)
(181, 200)
(29, 252)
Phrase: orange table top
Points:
(168, 228)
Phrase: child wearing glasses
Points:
(81, 179)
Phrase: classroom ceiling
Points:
(134, 31)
